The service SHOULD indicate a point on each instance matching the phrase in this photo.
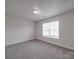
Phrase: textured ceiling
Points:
(24, 8)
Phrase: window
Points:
(51, 29)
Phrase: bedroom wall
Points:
(66, 30)
(18, 30)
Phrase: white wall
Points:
(66, 30)
(18, 30)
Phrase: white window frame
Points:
(55, 29)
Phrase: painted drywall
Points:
(18, 30)
(66, 30)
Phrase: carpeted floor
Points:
(36, 49)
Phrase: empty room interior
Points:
(39, 29)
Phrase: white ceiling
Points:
(48, 8)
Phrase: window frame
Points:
(49, 35)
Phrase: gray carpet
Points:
(36, 49)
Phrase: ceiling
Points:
(48, 8)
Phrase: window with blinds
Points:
(51, 29)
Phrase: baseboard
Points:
(17, 43)
(55, 45)
(39, 40)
